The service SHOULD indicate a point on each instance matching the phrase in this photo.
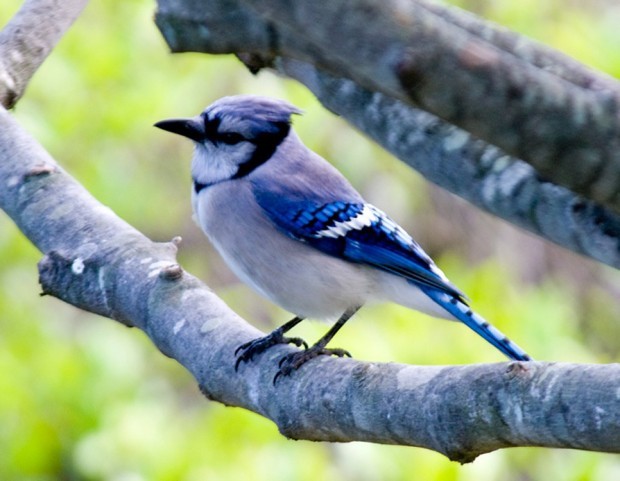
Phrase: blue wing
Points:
(357, 232)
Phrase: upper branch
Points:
(525, 49)
(473, 169)
(469, 167)
(27, 40)
(533, 103)
(98, 262)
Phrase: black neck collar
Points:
(198, 186)
(266, 145)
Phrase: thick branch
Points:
(535, 105)
(28, 39)
(98, 262)
(468, 167)
(522, 47)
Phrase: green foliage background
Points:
(82, 397)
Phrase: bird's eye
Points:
(230, 138)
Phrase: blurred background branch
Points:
(476, 171)
(27, 40)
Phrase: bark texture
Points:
(474, 170)
(28, 39)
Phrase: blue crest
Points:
(250, 115)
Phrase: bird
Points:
(292, 227)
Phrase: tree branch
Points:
(98, 262)
(27, 40)
(474, 170)
(522, 47)
(535, 104)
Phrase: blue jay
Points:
(292, 227)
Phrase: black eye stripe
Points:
(211, 132)
(211, 126)
(265, 147)
(230, 138)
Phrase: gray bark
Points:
(474, 170)
(28, 39)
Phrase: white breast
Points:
(293, 275)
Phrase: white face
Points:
(217, 162)
(234, 136)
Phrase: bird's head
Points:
(234, 135)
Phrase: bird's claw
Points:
(246, 352)
(294, 360)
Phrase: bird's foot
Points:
(246, 352)
(293, 361)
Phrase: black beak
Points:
(191, 128)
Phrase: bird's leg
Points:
(295, 360)
(246, 352)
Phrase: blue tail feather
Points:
(478, 324)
